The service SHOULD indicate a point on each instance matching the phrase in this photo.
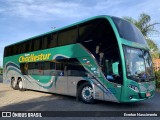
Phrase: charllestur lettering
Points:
(34, 58)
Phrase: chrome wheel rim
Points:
(14, 83)
(87, 93)
(20, 85)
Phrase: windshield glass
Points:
(129, 31)
(138, 64)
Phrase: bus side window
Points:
(31, 67)
(5, 51)
(38, 69)
(49, 68)
(60, 69)
(75, 68)
(37, 44)
(45, 42)
(49, 41)
(24, 68)
(52, 40)
(27, 46)
(22, 48)
(67, 36)
(15, 49)
(10, 51)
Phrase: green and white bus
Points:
(100, 58)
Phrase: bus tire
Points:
(86, 93)
(14, 84)
(20, 84)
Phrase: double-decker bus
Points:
(100, 58)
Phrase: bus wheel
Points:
(86, 93)
(20, 85)
(14, 84)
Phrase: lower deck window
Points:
(63, 67)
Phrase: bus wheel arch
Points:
(14, 84)
(20, 84)
(85, 91)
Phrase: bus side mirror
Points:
(115, 68)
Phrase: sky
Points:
(22, 19)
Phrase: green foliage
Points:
(157, 79)
(153, 49)
(1, 70)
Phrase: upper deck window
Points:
(129, 31)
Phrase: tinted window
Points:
(62, 67)
(75, 68)
(36, 44)
(5, 52)
(86, 29)
(100, 38)
(24, 68)
(49, 68)
(128, 31)
(59, 66)
(20, 48)
(10, 51)
(50, 41)
(27, 46)
(68, 36)
(38, 68)
(45, 43)
(15, 49)
(35, 68)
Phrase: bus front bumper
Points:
(138, 96)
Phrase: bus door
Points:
(112, 70)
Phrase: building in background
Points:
(156, 64)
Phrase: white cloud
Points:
(59, 9)
(43, 10)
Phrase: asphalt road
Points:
(54, 102)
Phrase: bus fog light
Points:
(130, 97)
(134, 88)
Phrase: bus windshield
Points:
(138, 64)
(129, 31)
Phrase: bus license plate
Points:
(148, 94)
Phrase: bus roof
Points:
(62, 28)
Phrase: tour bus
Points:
(100, 58)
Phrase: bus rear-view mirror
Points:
(115, 68)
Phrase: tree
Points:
(146, 27)
(153, 49)
(157, 73)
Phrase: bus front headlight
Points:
(134, 88)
